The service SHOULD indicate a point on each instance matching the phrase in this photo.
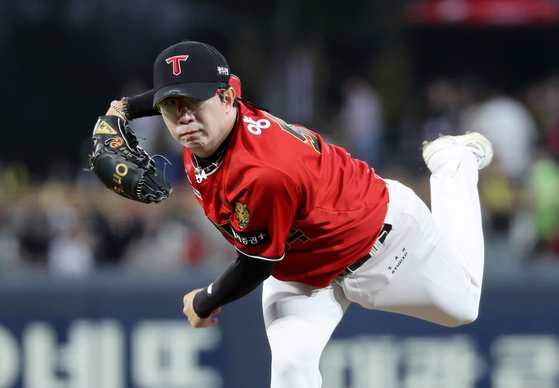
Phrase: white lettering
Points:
(93, 356)
(526, 361)
(256, 127)
(440, 362)
(367, 362)
(41, 357)
(166, 354)
(385, 362)
(9, 358)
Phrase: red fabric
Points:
(235, 83)
(297, 196)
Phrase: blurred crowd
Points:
(519, 189)
(69, 225)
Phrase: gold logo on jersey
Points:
(243, 215)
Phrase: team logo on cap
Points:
(176, 62)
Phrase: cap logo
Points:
(176, 62)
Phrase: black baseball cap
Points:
(189, 69)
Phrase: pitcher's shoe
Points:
(475, 142)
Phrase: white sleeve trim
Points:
(261, 257)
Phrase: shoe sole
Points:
(478, 144)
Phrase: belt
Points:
(386, 228)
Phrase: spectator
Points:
(34, 240)
(362, 120)
(70, 253)
(509, 125)
(114, 236)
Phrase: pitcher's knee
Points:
(462, 312)
(463, 318)
(452, 312)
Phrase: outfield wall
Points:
(112, 331)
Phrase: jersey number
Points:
(302, 134)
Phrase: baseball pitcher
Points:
(318, 228)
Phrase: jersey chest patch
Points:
(243, 215)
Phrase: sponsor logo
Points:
(399, 260)
(243, 215)
(223, 70)
(116, 142)
(105, 129)
(121, 170)
(249, 239)
(200, 174)
(125, 151)
(176, 63)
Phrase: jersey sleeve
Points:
(241, 277)
(141, 105)
(263, 213)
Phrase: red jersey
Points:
(280, 193)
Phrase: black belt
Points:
(386, 228)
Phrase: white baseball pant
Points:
(430, 267)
